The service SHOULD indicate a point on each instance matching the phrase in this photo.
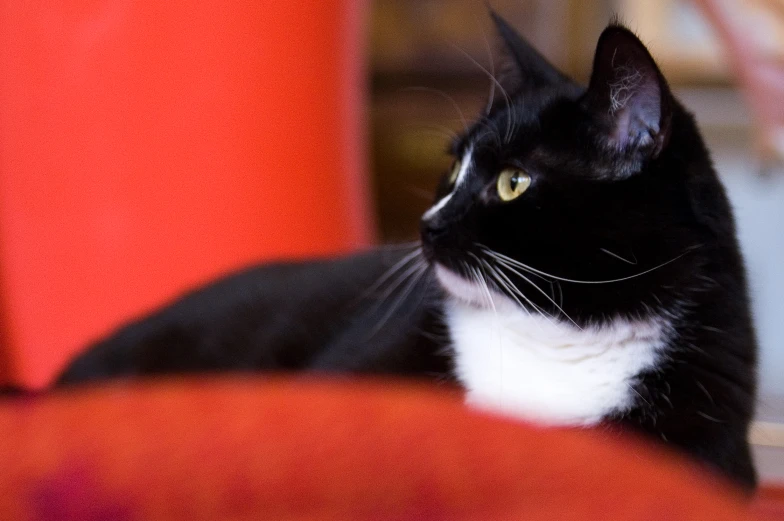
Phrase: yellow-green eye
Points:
(454, 173)
(512, 183)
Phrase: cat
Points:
(578, 267)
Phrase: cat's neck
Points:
(546, 369)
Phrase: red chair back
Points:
(148, 146)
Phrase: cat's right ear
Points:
(525, 68)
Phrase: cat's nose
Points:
(431, 229)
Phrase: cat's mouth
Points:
(467, 291)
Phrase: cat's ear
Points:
(525, 68)
(628, 96)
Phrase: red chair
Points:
(148, 146)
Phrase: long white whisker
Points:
(415, 268)
(540, 290)
(509, 290)
(483, 281)
(512, 291)
(414, 278)
(486, 288)
(446, 97)
(427, 128)
(395, 270)
(398, 266)
(497, 257)
(491, 98)
(611, 254)
(482, 272)
(509, 106)
(534, 270)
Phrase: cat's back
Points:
(283, 316)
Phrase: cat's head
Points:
(561, 188)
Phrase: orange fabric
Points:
(299, 450)
(770, 502)
(148, 146)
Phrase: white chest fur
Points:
(546, 370)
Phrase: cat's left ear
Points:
(628, 96)
(526, 68)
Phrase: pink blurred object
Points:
(760, 71)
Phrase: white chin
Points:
(465, 290)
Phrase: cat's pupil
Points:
(514, 181)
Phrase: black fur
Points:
(622, 190)
(322, 315)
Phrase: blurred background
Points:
(147, 147)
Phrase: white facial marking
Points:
(465, 166)
(542, 369)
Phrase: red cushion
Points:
(770, 502)
(285, 450)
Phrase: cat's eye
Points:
(454, 172)
(512, 182)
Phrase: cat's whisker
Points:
(443, 95)
(441, 130)
(503, 264)
(413, 277)
(509, 106)
(635, 391)
(486, 287)
(540, 290)
(563, 279)
(402, 271)
(482, 284)
(506, 288)
(611, 254)
(479, 269)
(512, 290)
(491, 97)
(493, 255)
(401, 279)
(395, 269)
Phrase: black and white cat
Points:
(579, 267)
